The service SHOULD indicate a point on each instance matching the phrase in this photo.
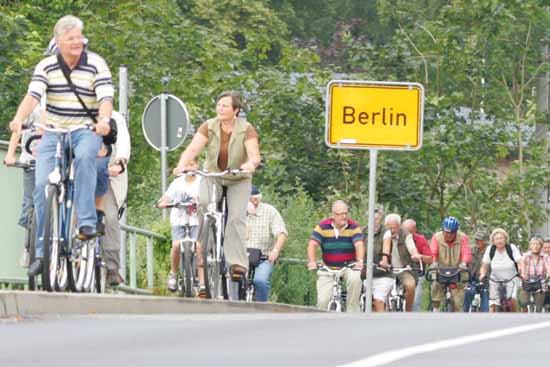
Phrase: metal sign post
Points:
(163, 147)
(123, 109)
(373, 157)
(376, 116)
(165, 125)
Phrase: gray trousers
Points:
(110, 243)
(237, 201)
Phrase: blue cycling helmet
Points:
(450, 224)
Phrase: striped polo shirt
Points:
(337, 246)
(92, 79)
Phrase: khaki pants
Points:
(438, 295)
(110, 243)
(238, 193)
(353, 286)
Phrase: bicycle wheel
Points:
(76, 259)
(89, 269)
(211, 259)
(187, 269)
(100, 275)
(50, 242)
(450, 305)
(30, 245)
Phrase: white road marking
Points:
(395, 355)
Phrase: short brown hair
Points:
(236, 99)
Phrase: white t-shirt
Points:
(502, 267)
(395, 258)
(176, 191)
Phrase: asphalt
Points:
(270, 339)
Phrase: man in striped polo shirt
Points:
(341, 244)
(92, 78)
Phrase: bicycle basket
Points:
(531, 285)
(254, 255)
(448, 276)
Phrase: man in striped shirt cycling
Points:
(341, 243)
(92, 79)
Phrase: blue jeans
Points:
(102, 185)
(469, 294)
(262, 280)
(28, 188)
(85, 145)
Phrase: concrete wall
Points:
(12, 235)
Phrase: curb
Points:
(25, 303)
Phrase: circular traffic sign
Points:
(177, 122)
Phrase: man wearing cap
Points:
(267, 232)
(481, 237)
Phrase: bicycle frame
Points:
(335, 304)
(505, 302)
(216, 212)
(449, 299)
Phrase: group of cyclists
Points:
(490, 275)
(483, 275)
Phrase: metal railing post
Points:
(150, 262)
(133, 267)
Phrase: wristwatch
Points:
(120, 162)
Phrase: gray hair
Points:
(392, 217)
(65, 24)
(339, 202)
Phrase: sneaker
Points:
(24, 259)
(172, 283)
(114, 278)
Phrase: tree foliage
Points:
(478, 62)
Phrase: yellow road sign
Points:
(374, 115)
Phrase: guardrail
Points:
(133, 232)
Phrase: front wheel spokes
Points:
(89, 247)
(211, 264)
(50, 239)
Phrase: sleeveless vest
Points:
(449, 256)
(236, 150)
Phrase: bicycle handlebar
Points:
(64, 130)
(23, 164)
(202, 173)
(323, 267)
(491, 279)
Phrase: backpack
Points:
(508, 248)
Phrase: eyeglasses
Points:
(343, 213)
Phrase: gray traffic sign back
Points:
(177, 122)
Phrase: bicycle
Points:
(212, 237)
(505, 301)
(449, 277)
(478, 287)
(68, 262)
(248, 289)
(338, 298)
(30, 229)
(396, 301)
(532, 286)
(188, 248)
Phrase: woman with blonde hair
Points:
(503, 259)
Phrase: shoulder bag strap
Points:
(67, 74)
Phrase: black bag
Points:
(447, 276)
(254, 255)
(108, 139)
(531, 285)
